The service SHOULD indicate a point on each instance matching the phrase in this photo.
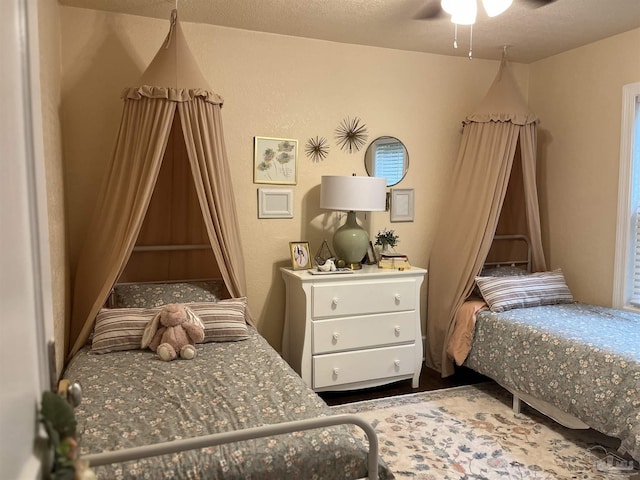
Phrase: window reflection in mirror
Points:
(387, 157)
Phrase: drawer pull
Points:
(397, 298)
(334, 302)
(397, 330)
(396, 363)
(335, 372)
(334, 337)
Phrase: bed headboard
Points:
(153, 293)
(517, 239)
(169, 262)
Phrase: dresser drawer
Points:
(362, 365)
(340, 334)
(358, 298)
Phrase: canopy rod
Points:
(170, 248)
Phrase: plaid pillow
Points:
(542, 288)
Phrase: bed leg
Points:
(517, 406)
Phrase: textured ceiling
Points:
(531, 32)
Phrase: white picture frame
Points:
(275, 203)
(402, 200)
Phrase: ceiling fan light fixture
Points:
(496, 7)
(465, 12)
(448, 6)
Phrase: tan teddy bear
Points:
(173, 331)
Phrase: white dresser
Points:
(354, 330)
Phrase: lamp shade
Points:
(351, 193)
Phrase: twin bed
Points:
(235, 411)
(577, 363)
(239, 411)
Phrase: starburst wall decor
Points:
(317, 148)
(351, 135)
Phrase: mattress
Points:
(583, 359)
(131, 398)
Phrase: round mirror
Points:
(387, 157)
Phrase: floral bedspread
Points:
(132, 398)
(583, 359)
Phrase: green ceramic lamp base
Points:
(350, 242)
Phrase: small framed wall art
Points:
(275, 160)
(300, 256)
(401, 205)
(275, 203)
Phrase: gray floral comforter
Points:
(583, 359)
(131, 398)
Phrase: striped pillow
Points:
(120, 328)
(224, 321)
(498, 271)
(542, 288)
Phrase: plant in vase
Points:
(387, 238)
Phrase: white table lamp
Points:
(352, 194)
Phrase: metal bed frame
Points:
(516, 237)
(157, 449)
(186, 247)
(542, 406)
(176, 446)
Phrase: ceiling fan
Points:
(467, 9)
(464, 12)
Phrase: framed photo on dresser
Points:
(300, 255)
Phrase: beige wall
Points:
(282, 87)
(578, 97)
(298, 88)
(50, 85)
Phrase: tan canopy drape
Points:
(502, 131)
(172, 83)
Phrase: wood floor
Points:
(429, 380)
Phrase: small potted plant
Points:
(387, 238)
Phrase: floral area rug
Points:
(471, 432)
